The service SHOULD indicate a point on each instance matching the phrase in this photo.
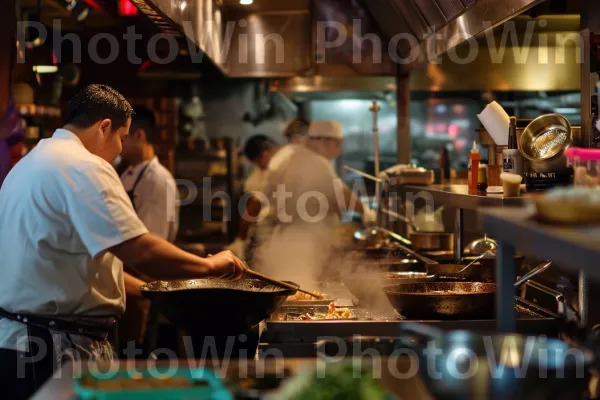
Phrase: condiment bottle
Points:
(474, 159)
(512, 159)
(482, 179)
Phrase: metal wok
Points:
(498, 367)
(366, 287)
(215, 306)
(438, 300)
(475, 273)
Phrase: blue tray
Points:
(213, 390)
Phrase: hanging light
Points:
(79, 9)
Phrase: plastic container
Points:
(205, 384)
(586, 166)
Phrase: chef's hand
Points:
(226, 265)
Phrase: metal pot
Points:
(498, 367)
(432, 241)
(544, 142)
(366, 287)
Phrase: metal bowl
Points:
(545, 137)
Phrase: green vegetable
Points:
(339, 382)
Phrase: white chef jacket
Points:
(255, 181)
(155, 197)
(298, 248)
(61, 208)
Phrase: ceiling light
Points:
(183, 5)
(45, 69)
(246, 2)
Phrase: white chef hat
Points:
(325, 129)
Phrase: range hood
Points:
(226, 34)
(439, 25)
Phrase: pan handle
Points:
(536, 271)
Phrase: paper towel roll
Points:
(496, 122)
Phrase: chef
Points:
(259, 149)
(306, 197)
(149, 185)
(66, 227)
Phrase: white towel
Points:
(496, 122)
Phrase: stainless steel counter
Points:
(457, 196)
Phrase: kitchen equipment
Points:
(215, 306)
(414, 176)
(285, 285)
(586, 166)
(422, 240)
(481, 246)
(449, 299)
(498, 367)
(543, 144)
(366, 287)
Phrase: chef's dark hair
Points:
(144, 118)
(95, 103)
(256, 145)
(297, 127)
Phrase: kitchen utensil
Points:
(366, 287)
(216, 306)
(481, 246)
(467, 300)
(282, 284)
(375, 235)
(544, 141)
(500, 367)
(422, 240)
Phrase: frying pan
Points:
(424, 240)
(216, 306)
(439, 300)
(366, 287)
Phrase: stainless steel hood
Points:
(439, 25)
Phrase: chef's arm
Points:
(132, 285)
(160, 259)
(253, 207)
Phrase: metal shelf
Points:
(458, 196)
(576, 248)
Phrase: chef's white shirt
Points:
(310, 181)
(255, 181)
(155, 197)
(61, 208)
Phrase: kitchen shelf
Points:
(576, 248)
(458, 196)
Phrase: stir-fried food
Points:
(299, 296)
(333, 312)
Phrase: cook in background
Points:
(149, 185)
(259, 149)
(153, 193)
(66, 227)
(297, 236)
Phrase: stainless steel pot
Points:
(544, 142)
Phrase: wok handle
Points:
(279, 283)
(413, 253)
(537, 270)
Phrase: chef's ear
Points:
(106, 126)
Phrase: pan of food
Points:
(366, 287)
(439, 300)
(216, 306)
(302, 299)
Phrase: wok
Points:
(475, 273)
(366, 287)
(438, 300)
(215, 306)
(498, 367)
